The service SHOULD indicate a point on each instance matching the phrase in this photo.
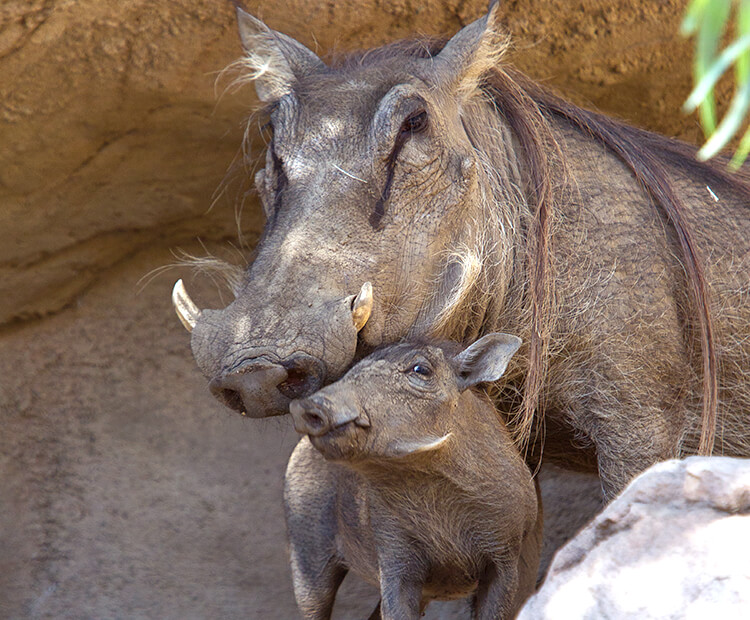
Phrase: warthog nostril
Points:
(250, 389)
(233, 400)
(304, 376)
(230, 398)
(295, 384)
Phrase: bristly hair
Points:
(422, 47)
(528, 109)
(527, 123)
(642, 152)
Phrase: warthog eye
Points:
(415, 123)
(278, 178)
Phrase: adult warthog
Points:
(425, 187)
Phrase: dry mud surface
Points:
(125, 490)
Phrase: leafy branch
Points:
(707, 20)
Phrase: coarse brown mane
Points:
(639, 150)
(527, 107)
(642, 152)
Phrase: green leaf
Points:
(742, 152)
(693, 16)
(712, 16)
(729, 124)
(742, 28)
(732, 53)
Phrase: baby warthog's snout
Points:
(405, 502)
(319, 415)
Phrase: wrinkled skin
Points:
(388, 169)
(392, 482)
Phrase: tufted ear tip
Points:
(273, 61)
(249, 27)
(472, 51)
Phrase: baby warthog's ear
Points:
(485, 360)
(274, 61)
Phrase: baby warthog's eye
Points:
(421, 369)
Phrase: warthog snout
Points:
(261, 385)
(258, 363)
(317, 415)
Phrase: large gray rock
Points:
(675, 544)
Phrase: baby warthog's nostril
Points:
(313, 420)
(309, 417)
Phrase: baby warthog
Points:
(408, 478)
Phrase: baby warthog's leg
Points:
(402, 578)
(315, 585)
(317, 571)
(375, 615)
(496, 593)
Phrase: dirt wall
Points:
(112, 137)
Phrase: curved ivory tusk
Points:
(428, 445)
(408, 448)
(362, 306)
(187, 311)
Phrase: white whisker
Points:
(349, 174)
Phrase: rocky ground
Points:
(126, 491)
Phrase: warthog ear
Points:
(471, 52)
(485, 360)
(274, 60)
